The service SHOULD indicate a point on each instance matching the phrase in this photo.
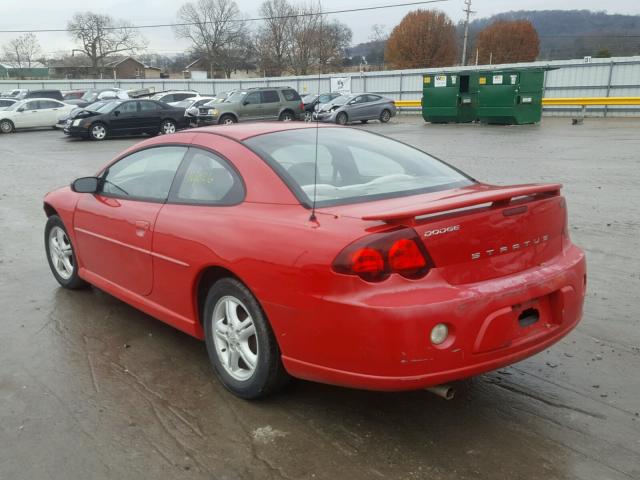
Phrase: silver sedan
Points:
(356, 107)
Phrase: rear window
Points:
(290, 95)
(352, 166)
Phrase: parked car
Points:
(7, 102)
(356, 107)
(95, 94)
(281, 103)
(54, 94)
(17, 93)
(192, 107)
(330, 254)
(32, 113)
(65, 117)
(73, 94)
(174, 96)
(310, 101)
(126, 117)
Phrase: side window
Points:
(373, 98)
(299, 162)
(149, 106)
(270, 96)
(35, 105)
(252, 98)
(168, 98)
(290, 95)
(360, 99)
(128, 107)
(181, 96)
(207, 179)
(49, 104)
(144, 175)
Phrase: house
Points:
(127, 67)
(152, 72)
(201, 69)
(36, 71)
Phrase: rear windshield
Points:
(290, 95)
(352, 166)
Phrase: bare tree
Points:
(273, 38)
(379, 33)
(216, 30)
(304, 35)
(100, 36)
(333, 39)
(22, 51)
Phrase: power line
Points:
(256, 19)
(468, 11)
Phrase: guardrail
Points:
(571, 101)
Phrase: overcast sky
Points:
(34, 14)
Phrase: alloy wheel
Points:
(235, 339)
(168, 127)
(61, 253)
(6, 127)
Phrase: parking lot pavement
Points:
(91, 388)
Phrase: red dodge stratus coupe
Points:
(409, 273)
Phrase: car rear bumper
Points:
(382, 342)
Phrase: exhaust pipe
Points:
(445, 391)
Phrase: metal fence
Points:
(610, 77)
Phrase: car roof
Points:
(48, 99)
(240, 131)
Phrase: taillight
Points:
(302, 106)
(375, 257)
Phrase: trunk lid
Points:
(479, 232)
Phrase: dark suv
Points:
(279, 103)
(55, 94)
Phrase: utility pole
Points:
(468, 11)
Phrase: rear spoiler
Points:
(496, 195)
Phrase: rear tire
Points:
(286, 116)
(227, 120)
(364, 121)
(6, 126)
(98, 132)
(241, 345)
(168, 127)
(61, 254)
(342, 118)
(385, 116)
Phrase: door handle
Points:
(142, 227)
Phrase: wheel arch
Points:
(49, 210)
(230, 114)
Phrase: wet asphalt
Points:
(92, 388)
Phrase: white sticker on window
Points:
(440, 81)
(497, 79)
(514, 79)
(453, 79)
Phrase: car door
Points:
(124, 118)
(149, 114)
(270, 100)
(200, 206)
(251, 107)
(373, 107)
(31, 116)
(357, 108)
(49, 111)
(114, 227)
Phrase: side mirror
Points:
(85, 185)
(116, 113)
(21, 109)
(245, 102)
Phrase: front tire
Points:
(168, 127)
(61, 254)
(227, 120)
(98, 132)
(342, 118)
(241, 345)
(6, 126)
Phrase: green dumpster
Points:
(510, 97)
(450, 97)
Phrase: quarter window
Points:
(207, 179)
(290, 95)
(149, 106)
(143, 175)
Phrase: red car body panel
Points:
(332, 327)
